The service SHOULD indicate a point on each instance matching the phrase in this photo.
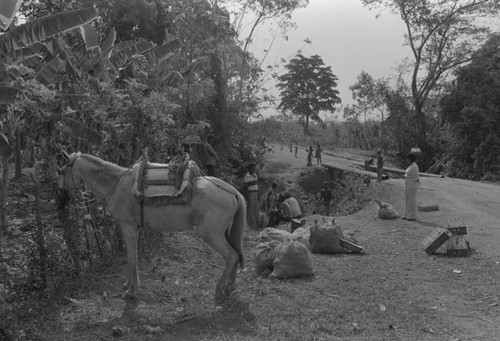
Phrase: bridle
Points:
(68, 169)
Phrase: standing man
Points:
(326, 198)
(296, 149)
(211, 155)
(318, 155)
(309, 155)
(252, 188)
(271, 198)
(412, 182)
(380, 166)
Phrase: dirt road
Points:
(458, 295)
(474, 204)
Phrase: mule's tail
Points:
(235, 237)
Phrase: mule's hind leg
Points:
(219, 243)
(130, 235)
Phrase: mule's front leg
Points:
(130, 234)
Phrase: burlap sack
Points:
(292, 260)
(264, 255)
(273, 234)
(325, 238)
(387, 212)
(302, 235)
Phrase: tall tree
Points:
(369, 94)
(441, 35)
(308, 88)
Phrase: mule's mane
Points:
(101, 164)
(101, 168)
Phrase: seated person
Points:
(288, 209)
(180, 166)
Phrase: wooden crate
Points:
(458, 231)
(435, 239)
(457, 246)
(428, 208)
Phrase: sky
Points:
(347, 36)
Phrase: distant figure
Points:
(326, 198)
(412, 182)
(309, 156)
(296, 149)
(271, 199)
(210, 155)
(252, 188)
(318, 155)
(380, 166)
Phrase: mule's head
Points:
(69, 180)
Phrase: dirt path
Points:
(458, 296)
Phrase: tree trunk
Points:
(71, 236)
(4, 195)
(306, 125)
(18, 160)
(40, 241)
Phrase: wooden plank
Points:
(457, 246)
(350, 246)
(458, 231)
(395, 170)
(348, 169)
(435, 239)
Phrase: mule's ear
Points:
(66, 155)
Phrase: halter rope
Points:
(71, 163)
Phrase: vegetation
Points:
(115, 77)
(110, 78)
(471, 112)
(307, 88)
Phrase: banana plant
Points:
(25, 41)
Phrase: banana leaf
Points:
(123, 52)
(108, 43)
(47, 74)
(8, 10)
(5, 149)
(45, 27)
(8, 95)
(159, 53)
(81, 131)
(89, 36)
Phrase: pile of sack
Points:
(282, 254)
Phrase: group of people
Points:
(278, 207)
(283, 207)
(317, 155)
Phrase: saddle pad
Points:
(157, 182)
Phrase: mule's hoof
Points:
(128, 297)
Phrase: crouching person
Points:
(288, 209)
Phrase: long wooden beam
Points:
(395, 170)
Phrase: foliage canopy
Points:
(307, 88)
